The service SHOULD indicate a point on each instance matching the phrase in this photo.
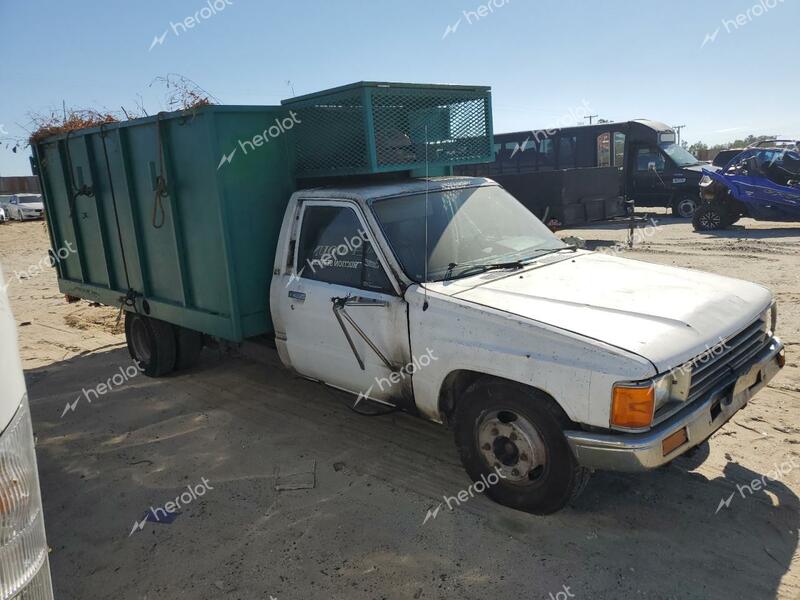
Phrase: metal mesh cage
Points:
(378, 127)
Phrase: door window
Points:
(334, 248)
(645, 156)
(510, 157)
(527, 156)
(546, 155)
(566, 151)
(604, 150)
(619, 149)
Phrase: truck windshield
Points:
(468, 228)
(681, 156)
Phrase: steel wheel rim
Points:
(686, 208)
(710, 220)
(512, 446)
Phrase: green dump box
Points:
(177, 216)
(373, 127)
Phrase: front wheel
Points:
(710, 217)
(512, 437)
(684, 207)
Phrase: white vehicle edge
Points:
(24, 561)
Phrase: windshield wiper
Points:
(553, 251)
(469, 269)
(500, 266)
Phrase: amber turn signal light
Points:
(674, 441)
(632, 406)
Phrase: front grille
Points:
(736, 352)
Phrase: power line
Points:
(677, 129)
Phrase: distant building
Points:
(20, 185)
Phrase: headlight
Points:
(23, 546)
(705, 180)
(663, 390)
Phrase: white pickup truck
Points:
(447, 298)
(24, 566)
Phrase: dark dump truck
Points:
(583, 174)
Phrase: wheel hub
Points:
(711, 220)
(512, 445)
(686, 208)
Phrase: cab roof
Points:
(373, 191)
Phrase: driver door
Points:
(347, 325)
(649, 186)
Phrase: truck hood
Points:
(699, 168)
(667, 315)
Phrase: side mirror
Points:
(651, 166)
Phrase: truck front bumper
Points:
(644, 451)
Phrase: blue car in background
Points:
(762, 182)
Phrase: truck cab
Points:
(665, 174)
(447, 298)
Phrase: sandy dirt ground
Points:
(233, 427)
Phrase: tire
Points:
(685, 207)
(710, 217)
(151, 343)
(515, 432)
(189, 345)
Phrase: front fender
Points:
(576, 371)
(724, 181)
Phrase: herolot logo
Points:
(171, 509)
(211, 8)
(279, 127)
(477, 487)
(742, 19)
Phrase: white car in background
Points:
(24, 564)
(24, 207)
(3, 216)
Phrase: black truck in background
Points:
(581, 174)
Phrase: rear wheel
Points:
(512, 437)
(151, 343)
(684, 207)
(189, 345)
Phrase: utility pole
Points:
(678, 128)
(591, 118)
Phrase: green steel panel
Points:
(199, 256)
(180, 213)
(373, 127)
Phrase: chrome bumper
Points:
(643, 451)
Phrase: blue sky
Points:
(543, 58)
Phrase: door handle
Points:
(299, 296)
(363, 301)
